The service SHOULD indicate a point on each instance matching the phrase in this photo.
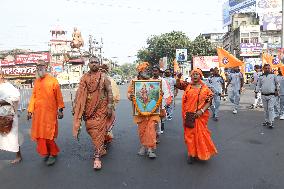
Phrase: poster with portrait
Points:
(147, 98)
(181, 55)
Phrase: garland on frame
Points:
(147, 113)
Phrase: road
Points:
(250, 156)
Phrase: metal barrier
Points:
(24, 98)
(26, 92)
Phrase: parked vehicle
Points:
(118, 79)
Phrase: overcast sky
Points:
(124, 25)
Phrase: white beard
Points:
(41, 73)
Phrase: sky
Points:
(124, 25)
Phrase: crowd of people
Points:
(97, 97)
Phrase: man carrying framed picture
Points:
(146, 96)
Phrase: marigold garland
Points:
(147, 113)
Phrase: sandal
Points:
(97, 163)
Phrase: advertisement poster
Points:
(241, 6)
(205, 63)
(17, 71)
(32, 58)
(250, 49)
(266, 6)
(181, 55)
(272, 21)
(250, 63)
(163, 63)
(227, 19)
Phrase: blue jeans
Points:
(170, 108)
(235, 98)
(215, 105)
(281, 104)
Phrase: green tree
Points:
(116, 71)
(128, 70)
(125, 70)
(163, 45)
(201, 47)
(159, 46)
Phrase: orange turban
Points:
(143, 66)
(198, 71)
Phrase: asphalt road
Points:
(250, 156)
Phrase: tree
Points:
(126, 70)
(116, 71)
(163, 45)
(166, 45)
(201, 47)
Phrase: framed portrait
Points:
(147, 97)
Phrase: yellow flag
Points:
(227, 60)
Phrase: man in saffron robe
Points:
(116, 98)
(146, 123)
(46, 105)
(94, 102)
(196, 100)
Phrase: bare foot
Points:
(97, 164)
(17, 160)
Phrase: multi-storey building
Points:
(215, 38)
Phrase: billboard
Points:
(266, 6)
(163, 63)
(205, 63)
(231, 7)
(6, 63)
(250, 63)
(250, 49)
(19, 70)
(227, 19)
(272, 21)
(241, 6)
(32, 58)
(181, 55)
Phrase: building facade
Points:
(215, 38)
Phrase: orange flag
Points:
(282, 70)
(176, 66)
(227, 60)
(269, 59)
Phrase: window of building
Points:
(254, 40)
(276, 39)
(265, 39)
(244, 40)
(244, 34)
(244, 23)
(254, 34)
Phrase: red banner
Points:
(23, 70)
(6, 63)
(32, 58)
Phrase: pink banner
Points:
(32, 58)
(205, 62)
(24, 70)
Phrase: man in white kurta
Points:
(9, 98)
